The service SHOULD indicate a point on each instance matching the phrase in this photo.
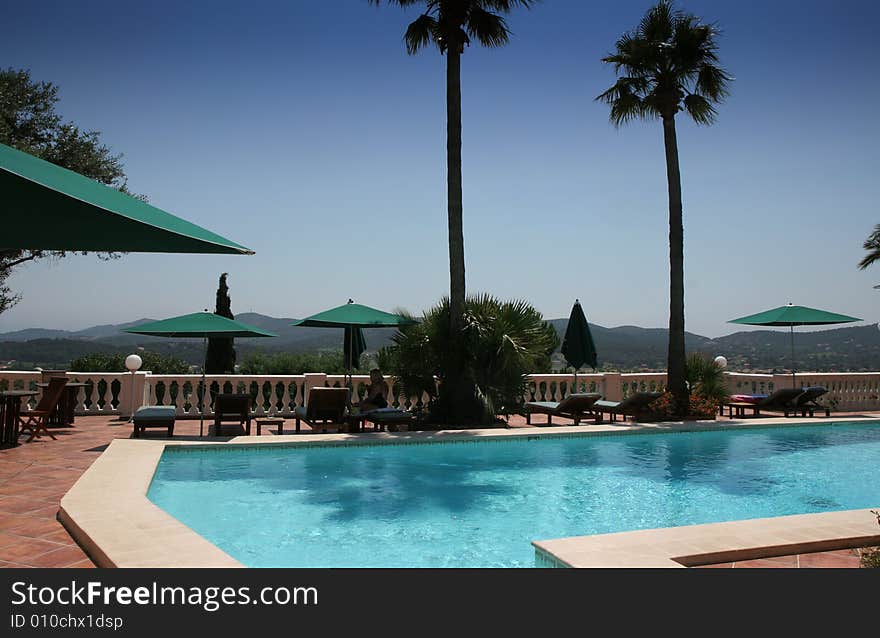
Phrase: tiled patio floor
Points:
(34, 476)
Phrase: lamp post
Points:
(133, 363)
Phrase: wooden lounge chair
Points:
(232, 407)
(635, 406)
(780, 401)
(35, 420)
(324, 405)
(805, 403)
(574, 406)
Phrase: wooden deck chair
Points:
(324, 405)
(35, 420)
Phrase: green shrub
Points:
(113, 362)
(290, 363)
(501, 343)
(705, 378)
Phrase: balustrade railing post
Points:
(613, 386)
(133, 394)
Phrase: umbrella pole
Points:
(791, 328)
(202, 405)
(575, 382)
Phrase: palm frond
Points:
(505, 6)
(872, 245)
(669, 63)
(700, 109)
(658, 24)
(420, 33)
(490, 29)
(399, 3)
(712, 82)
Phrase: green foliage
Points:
(707, 390)
(668, 64)
(113, 362)
(705, 378)
(501, 342)
(29, 122)
(290, 363)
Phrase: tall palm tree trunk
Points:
(675, 366)
(453, 182)
(458, 399)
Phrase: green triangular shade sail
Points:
(46, 207)
(794, 316)
(577, 346)
(198, 324)
(353, 314)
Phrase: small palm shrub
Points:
(502, 341)
(708, 391)
(705, 378)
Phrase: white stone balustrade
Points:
(111, 393)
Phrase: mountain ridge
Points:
(621, 347)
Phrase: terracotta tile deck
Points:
(34, 476)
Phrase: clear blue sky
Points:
(304, 131)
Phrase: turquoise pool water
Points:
(480, 504)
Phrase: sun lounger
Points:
(634, 406)
(574, 406)
(805, 403)
(780, 401)
(324, 405)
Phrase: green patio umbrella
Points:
(577, 346)
(352, 317)
(46, 207)
(792, 316)
(199, 324)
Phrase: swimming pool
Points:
(480, 503)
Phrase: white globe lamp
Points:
(133, 363)
(721, 362)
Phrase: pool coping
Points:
(108, 513)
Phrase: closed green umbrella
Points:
(352, 317)
(578, 347)
(46, 207)
(199, 324)
(792, 316)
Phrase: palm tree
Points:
(872, 245)
(450, 25)
(667, 65)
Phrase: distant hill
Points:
(620, 348)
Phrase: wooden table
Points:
(268, 422)
(63, 414)
(10, 411)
